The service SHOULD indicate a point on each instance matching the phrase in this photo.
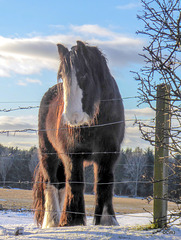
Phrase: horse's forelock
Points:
(84, 55)
(86, 65)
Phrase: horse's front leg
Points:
(74, 208)
(104, 212)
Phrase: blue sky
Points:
(29, 32)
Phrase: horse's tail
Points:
(38, 196)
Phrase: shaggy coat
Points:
(67, 138)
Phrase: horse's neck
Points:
(109, 89)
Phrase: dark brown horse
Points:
(78, 121)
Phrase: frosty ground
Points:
(128, 229)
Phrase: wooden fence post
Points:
(160, 186)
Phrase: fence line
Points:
(173, 214)
(88, 183)
(88, 213)
(136, 121)
(111, 99)
(31, 130)
(18, 108)
(83, 153)
(91, 214)
(74, 182)
(33, 107)
(116, 164)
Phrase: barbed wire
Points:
(135, 121)
(37, 106)
(32, 101)
(34, 107)
(87, 213)
(172, 215)
(19, 108)
(92, 183)
(84, 153)
(65, 128)
(29, 130)
(74, 182)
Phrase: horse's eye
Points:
(60, 80)
(59, 77)
(83, 78)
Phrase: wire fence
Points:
(74, 182)
(30, 130)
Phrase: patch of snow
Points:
(10, 221)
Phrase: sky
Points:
(29, 32)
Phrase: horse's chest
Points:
(76, 138)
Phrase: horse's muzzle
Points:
(76, 118)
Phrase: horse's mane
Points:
(90, 59)
(95, 61)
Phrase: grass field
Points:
(22, 199)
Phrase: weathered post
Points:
(160, 186)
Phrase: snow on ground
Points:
(9, 221)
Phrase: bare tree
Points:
(162, 56)
(135, 168)
(6, 161)
(33, 161)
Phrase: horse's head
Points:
(79, 69)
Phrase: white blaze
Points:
(73, 113)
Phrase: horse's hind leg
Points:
(54, 197)
(104, 212)
(38, 195)
(54, 182)
(52, 209)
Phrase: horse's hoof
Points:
(107, 221)
(77, 222)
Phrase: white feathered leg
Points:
(61, 197)
(52, 207)
(108, 220)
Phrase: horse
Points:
(81, 119)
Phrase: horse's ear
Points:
(62, 51)
(80, 44)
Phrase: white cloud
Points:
(30, 55)
(92, 30)
(133, 136)
(140, 112)
(26, 56)
(23, 140)
(27, 81)
(18, 123)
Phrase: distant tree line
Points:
(17, 167)
(133, 172)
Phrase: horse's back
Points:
(51, 99)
